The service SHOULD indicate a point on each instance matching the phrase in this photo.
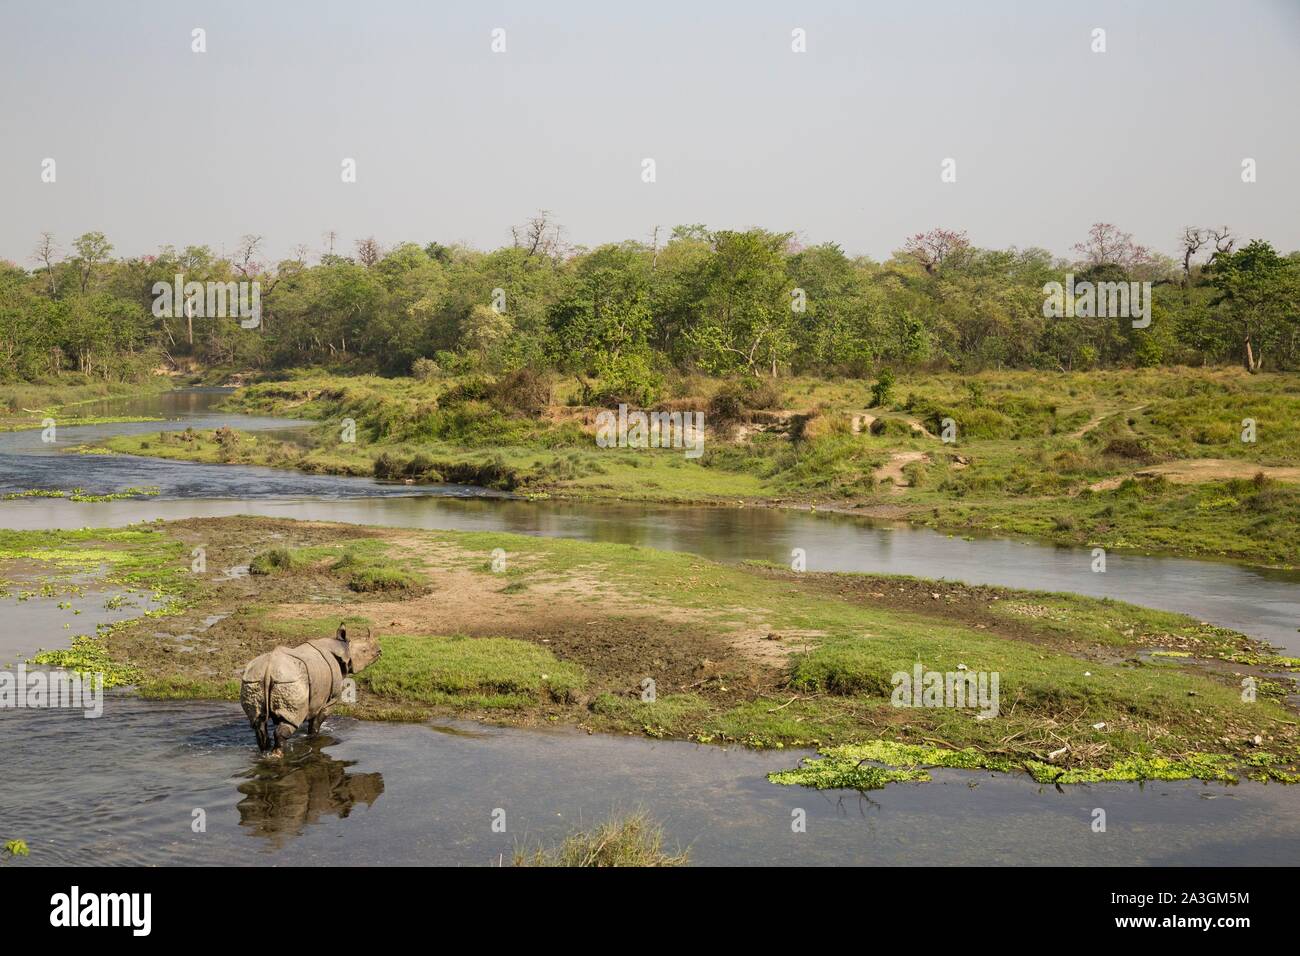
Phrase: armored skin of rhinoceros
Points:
(288, 687)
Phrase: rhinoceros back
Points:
(276, 685)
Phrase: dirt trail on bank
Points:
(1196, 470)
(1096, 421)
(893, 470)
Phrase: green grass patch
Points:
(277, 561)
(477, 672)
(373, 573)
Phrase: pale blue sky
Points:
(156, 144)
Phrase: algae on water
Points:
(873, 765)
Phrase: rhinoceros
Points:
(292, 686)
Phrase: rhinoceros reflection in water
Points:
(282, 798)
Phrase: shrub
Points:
(1071, 462)
(1133, 449)
(730, 402)
(627, 379)
(761, 393)
(726, 407)
(469, 390)
(882, 390)
(524, 390)
(275, 560)
(891, 427)
(424, 369)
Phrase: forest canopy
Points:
(723, 302)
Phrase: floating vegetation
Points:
(1265, 769)
(1264, 660)
(78, 494)
(859, 767)
(74, 421)
(1216, 767)
(88, 655)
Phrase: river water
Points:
(129, 786)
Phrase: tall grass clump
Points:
(628, 841)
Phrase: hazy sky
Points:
(156, 144)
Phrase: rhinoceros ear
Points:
(341, 633)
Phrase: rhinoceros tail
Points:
(264, 710)
(265, 697)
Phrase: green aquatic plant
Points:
(88, 655)
(16, 848)
(1264, 660)
(845, 775)
(1217, 767)
(857, 766)
(72, 421)
(1265, 769)
(77, 494)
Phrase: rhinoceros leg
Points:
(253, 695)
(283, 732)
(315, 722)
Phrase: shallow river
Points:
(125, 787)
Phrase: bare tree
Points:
(246, 254)
(539, 235)
(1193, 239)
(1224, 241)
(369, 251)
(46, 250)
(1109, 245)
(932, 249)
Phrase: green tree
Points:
(1257, 298)
(746, 318)
(92, 248)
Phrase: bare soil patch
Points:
(1196, 470)
(892, 470)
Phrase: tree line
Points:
(725, 302)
